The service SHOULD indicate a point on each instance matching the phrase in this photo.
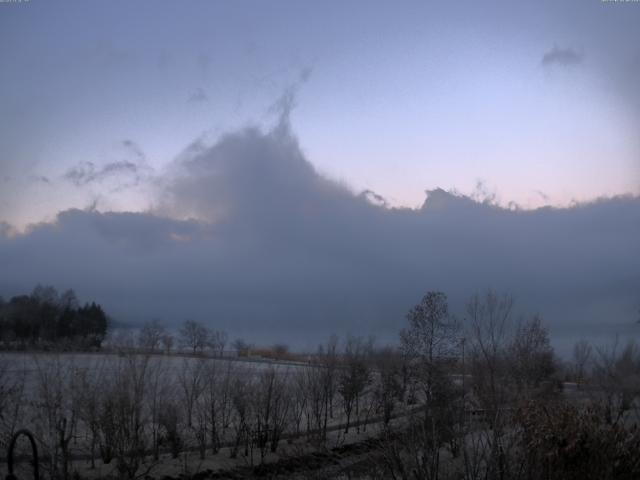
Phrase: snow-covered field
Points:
(76, 396)
(18, 366)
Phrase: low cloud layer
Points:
(248, 237)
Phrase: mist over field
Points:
(246, 236)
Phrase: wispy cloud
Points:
(198, 96)
(542, 195)
(375, 198)
(134, 148)
(125, 172)
(40, 179)
(562, 57)
(286, 103)
(203, 64)
(87, 172)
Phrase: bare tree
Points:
(170, 421)
(532, 361)
(158, 389)
(388, 388)
(89, 400)
(167, 343)
(217, 342)
(430, 344)
(241, 347)
(12, 390)
(354, 376)
(57, 411)
(582, 351)
(151, 335)
(215, 402)
(191, 381)
(281, 351)
(432, 338)
(241, 393)
(490, 326)
(124, 417)
(299, 401)
(270, 410)
(490, 334)
(122, 339)
(317, 394)
(510, 362)
(68, 299)
(45, 294)
(225, 391)
(616, 373)
(194, 335)
(321, 383)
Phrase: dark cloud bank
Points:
(271, 250)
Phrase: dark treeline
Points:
(47, 319)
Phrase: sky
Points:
(266, 150)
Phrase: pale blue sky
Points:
(396, 97)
